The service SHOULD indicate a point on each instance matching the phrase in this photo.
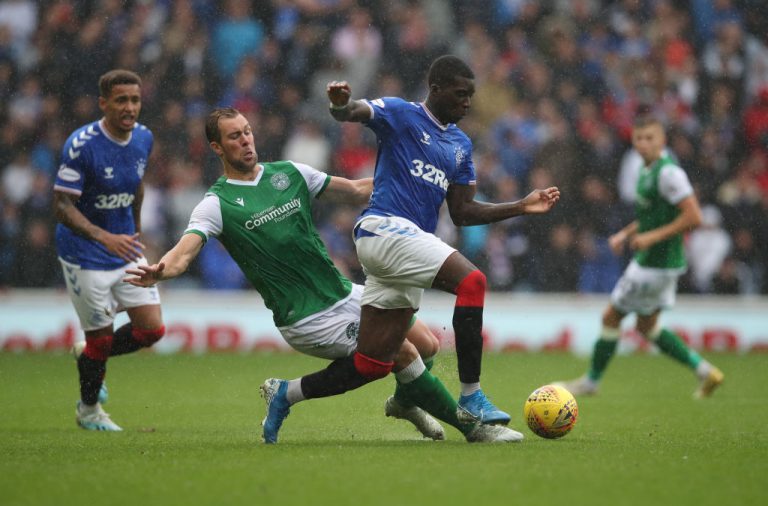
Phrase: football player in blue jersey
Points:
(423, 160)
(97, 200)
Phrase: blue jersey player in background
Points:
(423, 160)
(97, 199)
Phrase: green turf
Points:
(191, 437)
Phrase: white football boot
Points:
(583, 386)
(428, 426)
(487, 433)
(94, 418)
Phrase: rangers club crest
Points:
(280, 181)
(459, 152)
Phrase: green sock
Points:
(671, 344)
(429, 393)
(402, 396)
(601, 355)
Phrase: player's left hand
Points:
(541, 201)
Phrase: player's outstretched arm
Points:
(348, 191)
(619, 239)
(173, 263)
(688, 219)
(342, 107)
(125, 246)
(465, 210)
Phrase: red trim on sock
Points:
(148, 337)
(370, 367)
(471, 291)
(98, 348)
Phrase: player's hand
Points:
(617, 241)
(642, 241)
(127, 247)
(145, 275)
(541, 201)
(339, 93)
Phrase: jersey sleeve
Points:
(674, 185)
(383, 112)
(70, 177)
(206, 220)
(316, 180)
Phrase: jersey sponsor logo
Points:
(114, 201)
(68, 174)
(280, 181)
(425, 138)
(273, 213)
(429, 173)
(108, 173)
(239, 201)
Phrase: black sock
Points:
(467, 328)
(339, 377)
(91, 377)
(123, 341)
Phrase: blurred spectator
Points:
(235, 35)
(707, 248)
(557, 86)
(44, 270)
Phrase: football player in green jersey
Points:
(261, 212)
(666, 207)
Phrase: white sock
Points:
(85, 409)
(469, 388)
(703, 369)
(294, 394)
(411, 372)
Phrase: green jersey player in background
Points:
(666, 207)
(261, 213)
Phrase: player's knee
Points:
(370, 368)
(148, 337)
(471, 289)
(98, 348)
(651, 333)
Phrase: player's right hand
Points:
(145, 275)
(125, 246)
(339, 93)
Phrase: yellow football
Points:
(550, 411)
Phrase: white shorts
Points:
(99, 295)
(399, 260)
(644, 290)
(331, 334)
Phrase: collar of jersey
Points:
(240, 182)
(116, 141)
(432, 117)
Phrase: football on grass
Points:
(550, 411)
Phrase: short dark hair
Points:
(446, 69)
(116, 77)
(646, 120)
(212, 132)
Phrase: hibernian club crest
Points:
(280, 181)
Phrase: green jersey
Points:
(660, 188)
(266, 226)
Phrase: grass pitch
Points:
(191, 437)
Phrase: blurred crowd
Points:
(558, 84)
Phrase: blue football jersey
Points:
(106, 174)
(418, 157)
